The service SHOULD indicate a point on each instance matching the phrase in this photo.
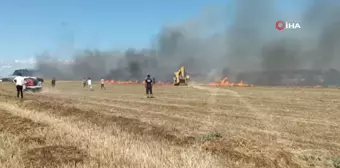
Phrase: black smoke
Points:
(220, 41)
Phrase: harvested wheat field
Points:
(190, 127)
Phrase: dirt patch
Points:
(141, 128)
(33, 140)
(61, 108)
(53, 156)
(38, 156)
(233, 149)
(17, 125)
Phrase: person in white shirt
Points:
(89, 83)
(102, 82)
(19, 82)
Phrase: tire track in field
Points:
(266, 119)
(216, 91)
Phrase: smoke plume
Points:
(219, 41)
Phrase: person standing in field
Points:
(53, 82)
(102, 82)
(148, 86)
(89, 83)
(19, 82)
(84, 82)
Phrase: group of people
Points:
(148, 85)
(88, 83)
(20, 82)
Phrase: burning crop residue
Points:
(226, 82)
(134, 82)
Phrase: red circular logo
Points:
(280, 25)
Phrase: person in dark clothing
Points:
(148, 86)
(102, 82)
(53, 82)
(84, 83)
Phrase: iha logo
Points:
(282, 25)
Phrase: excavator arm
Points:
(180, 76)
(176, 78)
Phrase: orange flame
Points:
(225, 82)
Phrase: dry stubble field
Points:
(190, 127)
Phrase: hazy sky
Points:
(59, 26)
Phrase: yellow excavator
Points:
(181, 78)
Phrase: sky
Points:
(30, 27)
